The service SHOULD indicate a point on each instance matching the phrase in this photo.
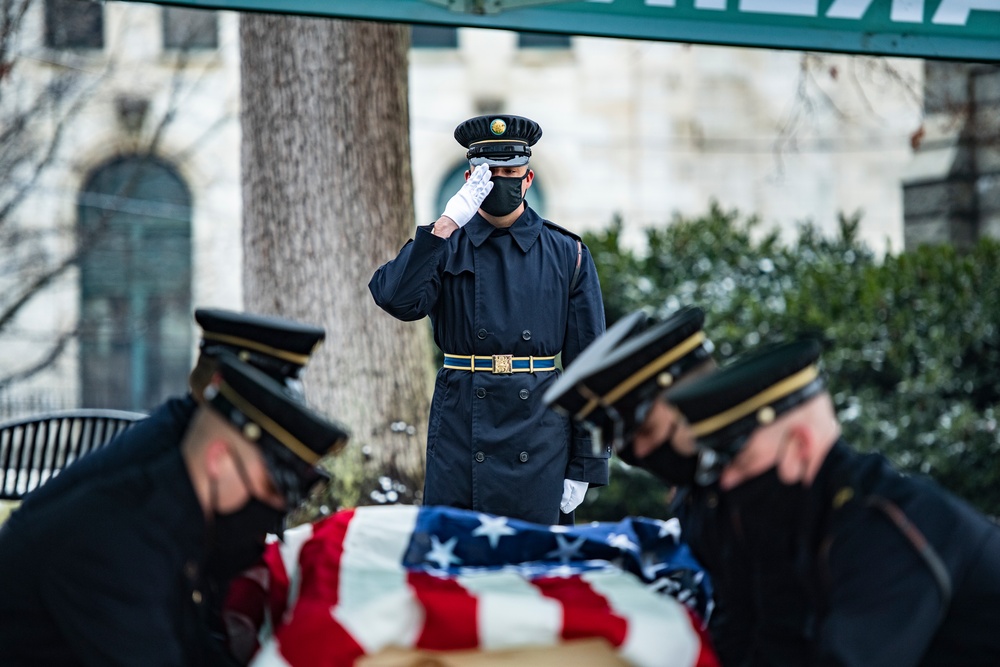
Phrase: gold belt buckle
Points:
(503, 364)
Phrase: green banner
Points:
(950, 29)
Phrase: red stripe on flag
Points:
(320, 558)
(314, 639)
(586, 613)
(312, 636)
(706, 655)
(450, 613)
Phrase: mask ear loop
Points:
(241, 470)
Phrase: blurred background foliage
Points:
(912, 346)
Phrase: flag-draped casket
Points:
(432, 578)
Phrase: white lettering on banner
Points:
(956, 12)
(788, 7)
(949, 12)
(903, 11)
(698, 4)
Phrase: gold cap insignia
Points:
(251, 431)
(765, 415)
(842, 497)
(498, 127)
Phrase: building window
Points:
(74, 24)
(542, 40)
(185, 28)
(135, 285)
(433, 36)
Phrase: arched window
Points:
(454, 180)
(135, 284)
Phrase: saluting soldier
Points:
(507, 292)
(111, 572)
(897, 570)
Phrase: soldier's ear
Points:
(798, 446)
(216, 457)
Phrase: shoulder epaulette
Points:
(573, 235)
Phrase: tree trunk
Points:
(327, 195)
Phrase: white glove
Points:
(465, 203)
(573, 493)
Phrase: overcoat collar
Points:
(524, 230)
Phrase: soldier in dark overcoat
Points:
(507, 293)
(112, 572)
(896, 570)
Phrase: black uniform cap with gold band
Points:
(724, 408)
(292, 437)
(278, 346)
(500, 140)
(613, 382)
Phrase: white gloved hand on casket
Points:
(573, 493)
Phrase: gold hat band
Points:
(498, 141)
(754, 403)
(643, 374)
(300, 359)
(269, 425)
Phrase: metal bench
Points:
(33, 449)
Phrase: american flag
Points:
(437, 578)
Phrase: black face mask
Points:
(768, 511)
(505, 196)
(238, 538)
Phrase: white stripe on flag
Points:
(269, 656)
(512, 612)
(289, 548)
(374, 601)
(658, 628)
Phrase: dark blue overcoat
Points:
(109, 573)
(529, 290)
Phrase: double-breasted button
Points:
(196, 596)
(526, 335)
(524, 393)
(713, 500)
(481, 393)
(523, 456)
(481, 334)
(480, 457)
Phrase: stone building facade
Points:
(148, 155)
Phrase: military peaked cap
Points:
(724, 408)
(278, 346)
(613, 382)
(499, 140)
(292, 437)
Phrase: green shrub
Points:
(912, 341)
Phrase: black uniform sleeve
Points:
(584, 324)
(407, 287)
(884, 602)
(110, 591)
